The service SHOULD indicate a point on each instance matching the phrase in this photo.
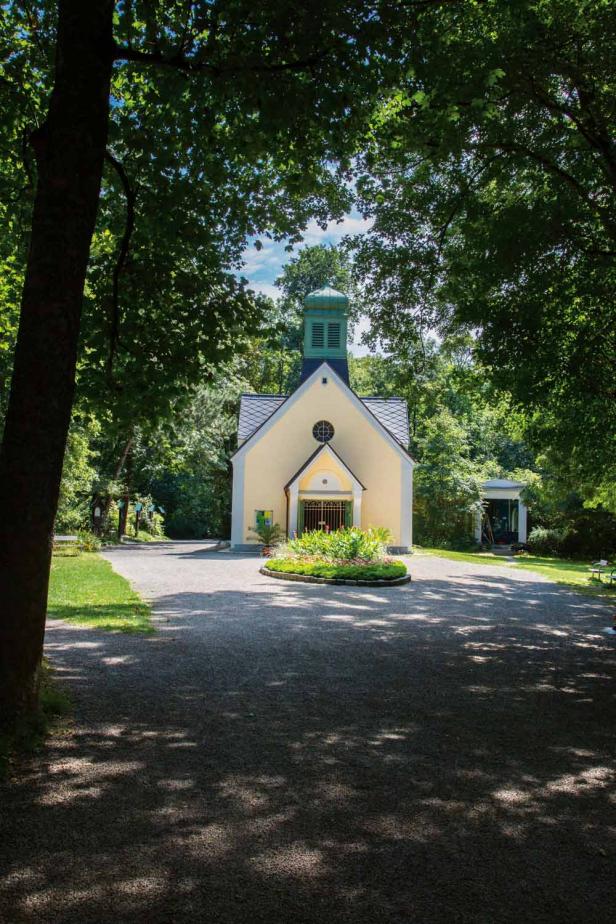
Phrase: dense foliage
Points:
(477, 135)
(490, 177)
(345, 554)
(488, 170)
(350, 544)
(464, 430)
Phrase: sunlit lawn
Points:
(85, 589)
(486, 558)
(573, 573)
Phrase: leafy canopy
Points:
(491, 179)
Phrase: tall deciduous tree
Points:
(69, 148)
(216, 73)
(492, 182)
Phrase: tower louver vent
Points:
(318, 335)
(333, 336)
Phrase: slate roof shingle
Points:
(254, 410)
(392, 413)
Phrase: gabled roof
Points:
(254, 410)
(324, 448)
(391, 413)
(355, 399)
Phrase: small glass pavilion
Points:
(504, 517)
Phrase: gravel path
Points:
(277, 752)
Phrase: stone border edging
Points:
(309, 579)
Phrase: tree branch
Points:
(515, 148)
(458, 204)
(586, 123)
(179, 62)
(130, 195)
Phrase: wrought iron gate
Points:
(324, 515)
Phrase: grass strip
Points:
(85, 589)
(567, 572)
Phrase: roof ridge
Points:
(392, 422)
(271, 394)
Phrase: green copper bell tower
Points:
(325, 332)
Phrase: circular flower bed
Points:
(344, 556)
(374, 574)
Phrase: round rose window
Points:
(323, 431)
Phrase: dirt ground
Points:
(438, 752)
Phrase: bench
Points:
(600, 567)
(67, 544)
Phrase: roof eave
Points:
(311, 458)
(314, 375)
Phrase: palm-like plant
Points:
(268, 534)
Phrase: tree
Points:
(186, 466)
(69, 150)
(225, 65)
(446, 486)
(491, 179)
(79, 475)
(24, 84)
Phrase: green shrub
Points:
(197, 506)
(153, 523)
(347, 544)
(376, 571)
(544, 541)
(88, 542)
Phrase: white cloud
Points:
(262, 267)
(266, 288)
(335, 231)
(264, 264)
(356, 347)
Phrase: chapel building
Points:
(322, 457)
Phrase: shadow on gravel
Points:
(437, 753)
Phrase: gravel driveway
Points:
(277, 752)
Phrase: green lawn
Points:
(572, 573)
(85, 589)
(485, 558)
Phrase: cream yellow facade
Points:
(362, 464)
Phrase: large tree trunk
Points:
(70, 149)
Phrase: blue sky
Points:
(262, 267)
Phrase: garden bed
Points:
(372, 574)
